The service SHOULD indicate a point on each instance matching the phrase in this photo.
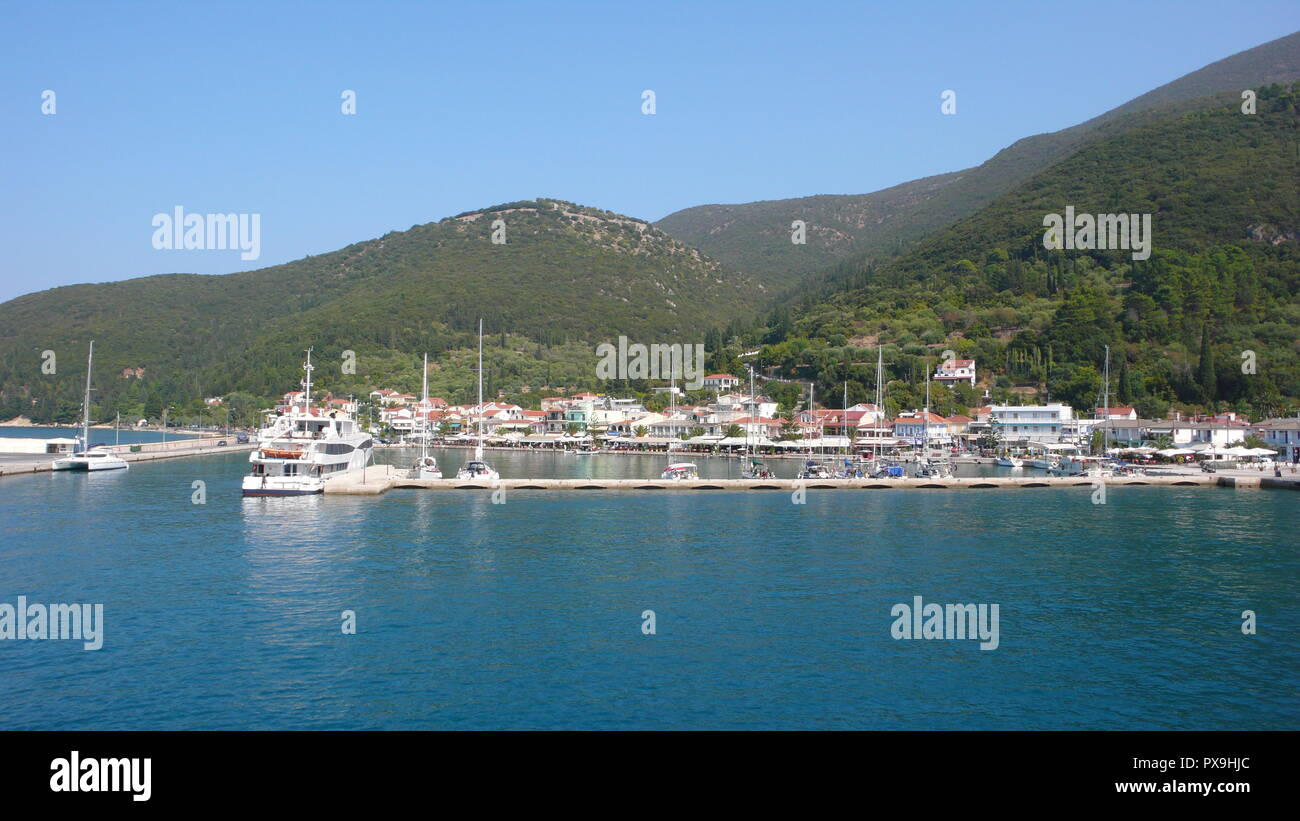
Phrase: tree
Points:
(991, 438)
(641, 431)
(1205, 377)
(734, 432)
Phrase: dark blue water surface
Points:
(528, 614)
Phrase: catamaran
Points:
(426, 467)
(477, 468)
(85, 458)
(299, 450)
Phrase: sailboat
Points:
(925, 467)
(756, 469)
(85, 458)
(478, 469)
(815, 469)
(426, 467)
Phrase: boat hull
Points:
(88, 465)
(273, 486)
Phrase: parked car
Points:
(241, 438)
(221, 443)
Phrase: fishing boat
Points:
(85, 458)
(298, 450)
(476, 469)
(426, 467)
(681, 470)
(1090, 466)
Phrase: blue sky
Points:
(235, 107)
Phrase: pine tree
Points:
(1205, 376)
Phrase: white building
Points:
(1053, 423)
(956, 370)
(1283, 435)
(720, 381)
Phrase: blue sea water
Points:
(528, 614)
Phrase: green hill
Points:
(755, 237)
(1223, 278)
(566, 276)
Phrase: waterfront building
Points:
(1283, 435)
(918, 427)
(1053, 423)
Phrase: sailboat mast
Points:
(478, 454)
(1105, 403)
(85, 416)
(844, 414)
(424, 410)
(926, 421)
(880, 395)
(748, 448)
(306, 396)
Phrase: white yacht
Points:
(426, 467)
(1009, 461)
(299, 450)
(477, 469)
(86, 458)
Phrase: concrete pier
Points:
(381, 478)
(27, 463)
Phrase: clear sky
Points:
(235, 108)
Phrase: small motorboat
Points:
(681, 470)
(477, 471)
(1010, 461)
(816, 470)
(925, 469)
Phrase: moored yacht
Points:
(85, 457)
(426, 467)
(477, 469)
(299, 450)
